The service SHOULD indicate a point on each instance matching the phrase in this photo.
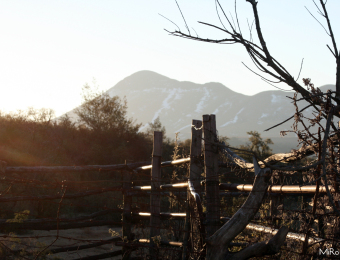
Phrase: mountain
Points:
(150, 95)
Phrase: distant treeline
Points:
(102, 135)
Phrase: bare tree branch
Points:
(260, 55)
(287, 119)
(300, 70)
(183, 17)
(329, 28)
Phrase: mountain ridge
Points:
(150, 95)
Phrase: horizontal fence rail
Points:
(85, 168)
(138, 166)
(147, 241)
(67, 196)
(273, 231)
(276, 188)
(163, 187)
(162, 215)
(164, 164)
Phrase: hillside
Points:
(151, 95)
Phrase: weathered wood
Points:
(155, 200)
(44, 221)
(59, 196)
(143, 193)
(164, 164)
(292, 156)
(180, 185)
(72, 248)
(197, 204)
(127, 201)
(272, 231)
(273, 159)
(211, 174)
(270, 247)
(246, 194)
(277, 188)
(219, 242)
(147, 241)
(56, 226)
(194, 189)
(237, 159)
(288, 189)
(186, 228)
(138, 166)
(161, 215)
(195, 155)
(83, 168)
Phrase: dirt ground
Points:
(70, 237)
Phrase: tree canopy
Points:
(100, 112)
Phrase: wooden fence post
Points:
(195, 178)
(127, 201)
(186, 228)
(196, 174)
(155, 199)
(211, 174)
(195, 155)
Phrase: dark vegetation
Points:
(102, 135)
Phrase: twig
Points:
(318, 21)
(170, 21)
(287, 119)
(183, 17)
(300, 70)
(219, 15)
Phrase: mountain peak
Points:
(150, 95)
(145, 75)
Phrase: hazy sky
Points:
(50, 49)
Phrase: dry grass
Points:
(37, 240)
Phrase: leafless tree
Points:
(326, 106)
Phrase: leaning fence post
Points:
(155, 199)
(211, 175)
(127, 201)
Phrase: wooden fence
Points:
(201, 194)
